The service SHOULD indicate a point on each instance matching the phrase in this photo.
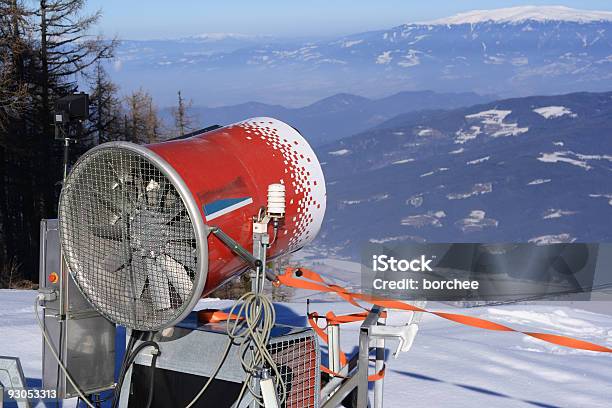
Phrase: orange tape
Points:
(312, 281)
(374, 377)
(215, 316)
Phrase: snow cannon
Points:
(136, 220)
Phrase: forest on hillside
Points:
(48, 51)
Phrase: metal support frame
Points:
(364, 356)
(236, 247)
(253, 261)
(261, 241)
(355, 373)
(348, 385)
(378, 366)
(256, 261)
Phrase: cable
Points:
(152, 380)
(251, 320)
(54, 353)
(250, 328)
(122, 370)
(131, 360)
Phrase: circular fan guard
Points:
(132, 237)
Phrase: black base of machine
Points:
(192, 351)
(176, 389)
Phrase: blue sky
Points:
(289, 18)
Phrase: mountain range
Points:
(337, 116)
(532, 169)
(510, 52)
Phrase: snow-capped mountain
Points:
(517, 15)
(511, 52)
(492, 172)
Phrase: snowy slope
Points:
(19, 333)
(448, 366)
(497, 172)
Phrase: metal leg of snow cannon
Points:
(379, 365)
(348, 385)
(364, 356)
(376, 335)
(329, 391)
(354, 375)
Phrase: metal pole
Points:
(362, 367)
(364, 355)
(379, 365)
(66, 156)
(63, 286)
(344, 390)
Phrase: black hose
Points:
(152, 380)
(130, 360)
(122, 370)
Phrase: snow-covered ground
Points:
(449, 365)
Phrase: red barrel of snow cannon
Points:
(135, 220)
(228, 171)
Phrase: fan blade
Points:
(114, 259)
(139, 268)
(120, 176)
(141, 185)
(114, 203)
(163, 192)
(185, 234)
(108, 203)
(176, 216)
(122, 198)
(158, 285)
(181, 231)
(177, 275)
(183, 253)
(112, 232)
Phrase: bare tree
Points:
(12, 95)
(13, 89)
(142, 120)
(45, 45)
(183, 120)
(67, 49)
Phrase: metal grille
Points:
(297, 358)
(128, 238)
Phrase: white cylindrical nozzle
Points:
(268, 391)
(276, 200)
